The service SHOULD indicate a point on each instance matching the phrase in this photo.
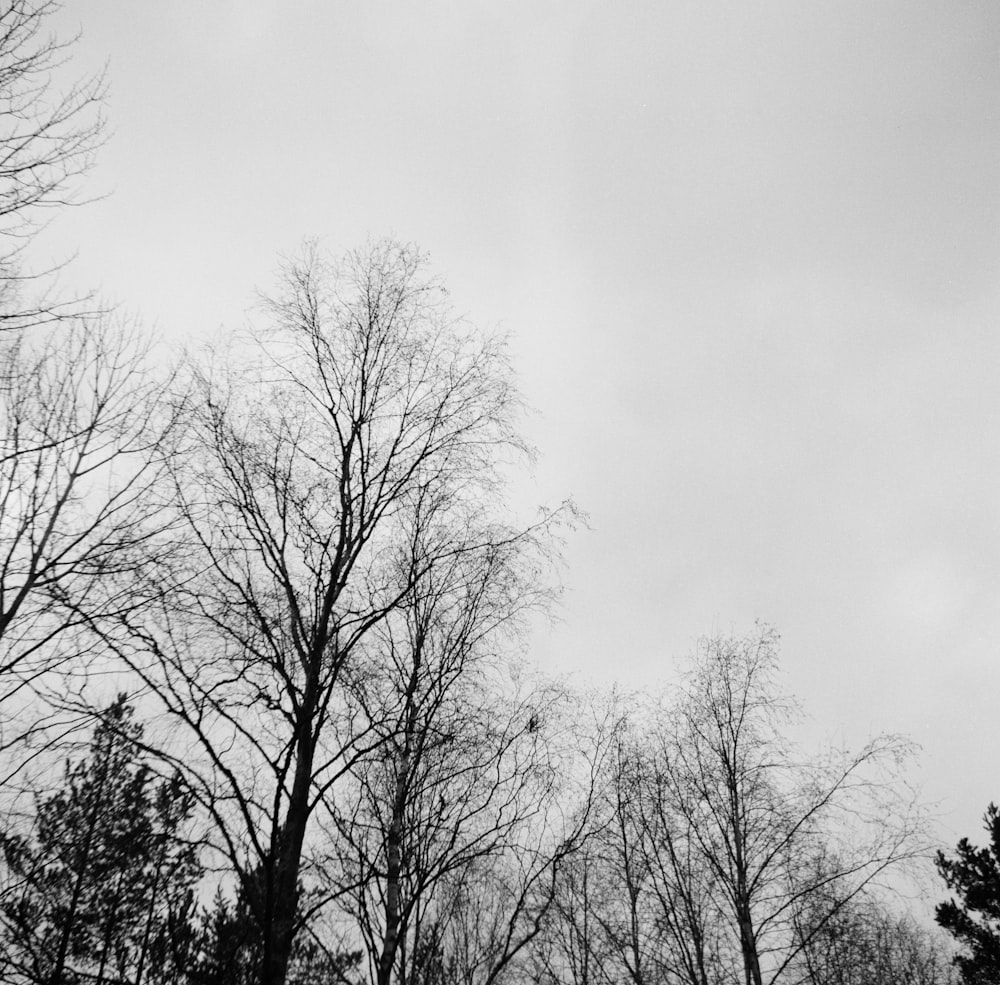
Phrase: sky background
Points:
(747, 254)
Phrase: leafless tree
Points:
(462, 765)
(575, 947)
(719, 852)
(671, 929)
(305, 454)
(867, 942)
(82, 427)
(761, 818)
(640, 904)
(493, 917)
(485, 799)
(48, 139)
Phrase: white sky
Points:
(748, 253)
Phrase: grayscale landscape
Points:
(499, 494)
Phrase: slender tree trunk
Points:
(744, 917)
(701, 969)
(394, 836)
(59, 966)
(748, 940)
(394, 866)
(150, 910)
(109, 930)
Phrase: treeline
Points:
(264, 715)
(673, 841)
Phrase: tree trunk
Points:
(751, 962)
(150, 910)
(109, 931)
(744, 917)
(282, 905)
(394, 836)
(394, 866)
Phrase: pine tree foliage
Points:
(100, 887)
(228, 947)
(974, 875)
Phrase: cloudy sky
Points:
(748, 256)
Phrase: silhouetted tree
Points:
(93, 890)
(490, 913)
(865, 943)
(463, 763)
(667, 923)
(760, 818)
(225, 945)
(299, 468)
(48, 139)
(713, 836)
(82, 423)
(974, 875)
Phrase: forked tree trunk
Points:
(748, 945)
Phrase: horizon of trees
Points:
(677, 840)
(265, 714)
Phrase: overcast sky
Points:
(748, 256)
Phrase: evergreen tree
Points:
(230, 949)
(974, 875)
(100, 889)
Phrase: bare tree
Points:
(672, 929)
(718, 851)
(48, 140)
(640, 904)
(82, 426)
(867, 942)
(304, 457)
(423, 832)
(462, 765)
(762, 819)
(576, 946)
(493, 917)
